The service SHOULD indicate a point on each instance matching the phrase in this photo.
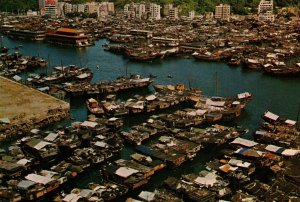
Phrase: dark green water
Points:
(279, 95)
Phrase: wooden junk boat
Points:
(94, 107)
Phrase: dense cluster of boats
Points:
(15, 63)
(271, 47)
(40, 164)
(59, 157)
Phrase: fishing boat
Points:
(3, 49)
(208, 56)
(234, 61)
(94, 107)
(281, 70)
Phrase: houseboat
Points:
(68, 36)
(38, 35)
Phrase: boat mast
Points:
(216, 83)
(48, 64)
(298, 114)
(62, 69)
(126, 67)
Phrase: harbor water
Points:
(279, 95)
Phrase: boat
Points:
(253, 63)
(68, 75)
(26, 34)
(94, 107)
(208, 56)
(3, 49)
(281, 70)
(234, 61)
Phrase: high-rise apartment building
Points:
(222, 12)
(265, 11)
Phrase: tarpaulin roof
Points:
(271, 116)
(89, 124)
(51, 137)
(244, 142)
(125, 172)
(248, 152)
(275, 149)
(290, 152)
(25, 184)
(147, 196)
(38, 179)
(215, 103)
(41, 145)
(290, 122)
(239, 163)
(243, 95)
(209, 180)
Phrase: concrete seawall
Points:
(26, 108)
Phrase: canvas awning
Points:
(25, 184)
(83, 76)
(90, 124)
(51, 137)
(271, 116)
(125, 172)
(208, 180)
(38, 179)
(41, 145)
(215, 103)
(244, 95)
(290, 152)
(17, 78)
(244, 142)
(151, 97)
(101, 144)
(226, 168)
(275, 149)
(72, 198)
(239, 163)
(147, 196)
(290, 122)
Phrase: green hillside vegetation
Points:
(18, 5)
(200, 6)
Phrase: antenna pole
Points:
(298, 113)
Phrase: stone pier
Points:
(23, 108)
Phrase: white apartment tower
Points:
(222, 12)
(142, 11)
(265, 11)
(154, 10)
